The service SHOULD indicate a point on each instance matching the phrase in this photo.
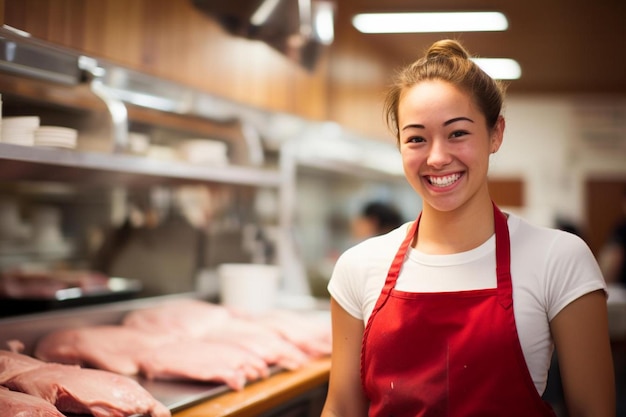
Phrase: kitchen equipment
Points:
(37, 294)
(12, 228)
(204, 152)
(249, 288)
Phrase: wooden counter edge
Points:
(264, 395)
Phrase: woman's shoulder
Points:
(376, 247)
(372, 251)
(553, 251)
(541, 237)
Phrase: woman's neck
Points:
(456, 231)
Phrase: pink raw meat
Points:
(130, 351)
(18, 404)
(309, 333)
(198, 319)
(267, 344)
(204, 361)
(187, 318)
(88, 391)
(112, 348)
(12, 364)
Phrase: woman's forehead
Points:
(435, 100)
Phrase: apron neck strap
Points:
(503, 257)
(398, 260)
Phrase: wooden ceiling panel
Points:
(563, 46)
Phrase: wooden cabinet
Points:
(172, 40)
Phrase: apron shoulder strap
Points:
(503, 258)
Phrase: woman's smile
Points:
(443, 181)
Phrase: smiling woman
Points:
(446, 315)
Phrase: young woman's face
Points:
(445, 144)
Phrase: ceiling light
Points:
(263, 13)
(500, 68)
(430, 22)
(323, 22)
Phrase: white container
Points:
(248, 288)
(204, 152)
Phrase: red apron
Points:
(451, 354)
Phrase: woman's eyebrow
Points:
(413, 126)
(446, 123)
(457, 119)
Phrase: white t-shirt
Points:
(549, 269)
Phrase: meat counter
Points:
(299, 392)
(292, 393)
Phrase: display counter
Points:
(279, 395)
(267, 397)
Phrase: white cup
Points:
(248, 288)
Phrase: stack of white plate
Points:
(204, 152)
(56, 137)
(20, 130)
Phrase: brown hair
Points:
(447, 60)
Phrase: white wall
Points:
(554, 143)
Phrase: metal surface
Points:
(117, 289)
(23, 162)
(28, 329)
(287, 26)
(175, 395)
(28, 57)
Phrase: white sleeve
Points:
(360, 272)
(344, 284)
(572, 271)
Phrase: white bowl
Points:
(248, 288)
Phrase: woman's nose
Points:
(438, 154)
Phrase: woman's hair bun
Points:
(447, 48)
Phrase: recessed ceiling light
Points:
(263, 12)
(430, 22)
(323, 22)
(500, 68)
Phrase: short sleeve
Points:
(572, 271)
(344, 284)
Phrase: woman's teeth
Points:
(444, 181)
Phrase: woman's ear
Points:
(497, 135)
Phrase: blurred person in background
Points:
(376, 218)
(458, 312)
(613, 254)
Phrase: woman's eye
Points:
(458, 133)
(415, 139)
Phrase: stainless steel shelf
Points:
(34, 163)
(333, 167)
